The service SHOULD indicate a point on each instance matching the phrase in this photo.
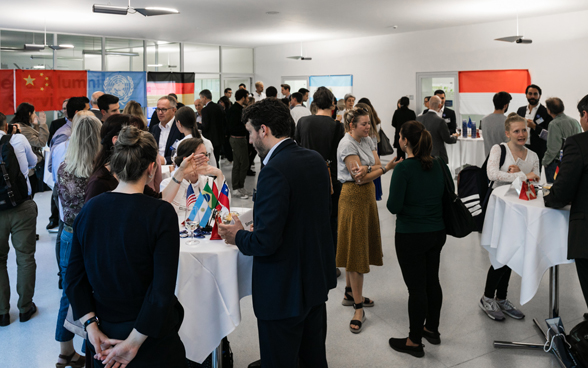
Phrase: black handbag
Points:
(457, 218)
(384, 146)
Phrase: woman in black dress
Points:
(401, 116)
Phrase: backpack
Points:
(474, 188)
(578, 339)
(13, 184)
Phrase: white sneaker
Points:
(240, 193)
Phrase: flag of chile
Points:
(46, 89)
(163, 83)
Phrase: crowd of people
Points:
(120, 283)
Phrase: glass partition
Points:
(237, 60)
(207, 81)
(201, 58)
(163, 56)
(15, 55)
(85, 54)
(124, 54)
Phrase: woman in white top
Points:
(186, 123)
(522, 163)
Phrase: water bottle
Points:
(469, 128)
(464, 128)
(474, 130)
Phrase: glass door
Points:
(428, 83)
(295, 84)
(234, 82)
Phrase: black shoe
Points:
(432, 337)
(586, 316)
(27, 315)
(255, 364)
(400, 346)
(250, 173)
(37, 237)
(52, 225)
(4, 319)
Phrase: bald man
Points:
(438, 128)
(94, 102)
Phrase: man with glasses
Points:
(166, 132)
(537, 121)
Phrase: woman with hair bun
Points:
(416, 193)
(123, 266)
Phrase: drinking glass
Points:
(192, 225)
(355, 168)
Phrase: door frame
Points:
(419, 96)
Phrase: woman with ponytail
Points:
(186, 123)
(416, 192)
(359, 243)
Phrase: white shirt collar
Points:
(168, 125)
(269, 154)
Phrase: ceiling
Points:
(245, 22)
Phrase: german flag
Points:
(161, 84)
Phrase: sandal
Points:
(348, 299)
(356, 322)
(79, 363)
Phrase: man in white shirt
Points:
(258, 95)
(166, 132)
(296, 109)
(19, 224)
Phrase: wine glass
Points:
(356, 169)
(192, 225)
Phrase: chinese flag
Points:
(46, 89)
(7, 92)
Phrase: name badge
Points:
(540, 120)
(448, 120)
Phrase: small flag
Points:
(210, 197)
(200, 212)
(556, 172)
(190, 196)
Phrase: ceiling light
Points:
(39, 67)
(124, 10)
(99, 52)
(151, 11)
(155, 65)
(34, 47)
(62, 47)
(272, 12)
(109, 9)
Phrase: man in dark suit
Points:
(446, 113)
(293, 256)
(570, 187)
(438, 129)
(213, 122)
(94, 101)
(537, 121)
(166, 132)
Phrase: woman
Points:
(358, 244)
(186, 123)
(345, 105)
(416, 192)
(401, 116)
(375, 136)
(72, 178)
(134, 108)
(225, 103)
(494, 301)
(121, 282)
(36, 132)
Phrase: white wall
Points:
(384, 67)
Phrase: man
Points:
(213, 122)
(95, 96)
(438, 128)
(271, 91)
(426, 103)
(178, 104)
(293, 193)
(570, 187)
(108, 105)
(258, 95)
(296, 109)
(322, 133)
(494, 123)
(228, 93)
(242, 86)
(560, 128)
(537, 121)
(446, 113)
(238, 137)
(198, 106)
(286, 92)
(166, 132)
(19, 224)
(55, 125)
(304, 92)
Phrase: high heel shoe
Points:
(79, 363)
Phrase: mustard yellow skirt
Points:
(359, 244)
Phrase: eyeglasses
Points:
(161, 110)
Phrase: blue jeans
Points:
(61, 333)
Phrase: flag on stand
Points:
(223, 208)
(7, 91)
(126, 86)
(46, 89)
(200, 212)
(190, 196)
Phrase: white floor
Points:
(466, 333)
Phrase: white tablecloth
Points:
(526, 236)
(465, 151)
(212, 279)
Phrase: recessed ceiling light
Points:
(393, 27)
(273, 12)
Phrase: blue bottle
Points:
(464, 128)
(469, 128)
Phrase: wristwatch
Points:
(369, 169)
(90, 321)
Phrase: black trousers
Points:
(419, 256)
(252, 152)
(582, 268)
(497, 282)
(217, 152)
(335, 210)
(283, 342)
(54, 205)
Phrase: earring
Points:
(151, 176)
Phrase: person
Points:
(537, 121)
(58, 123)
(446, 113)
(74, 105)
(179, 105)
(94, 101)
(139, 315)
(401, 116)
(186, 123)
(242, 86)
(416, 194)
(570, 187)
(258, 95)
(228, 92)
(271, 91)
(19, 224)
(72, 177)
(426, 104)
(35, 129)
(321, 133)
(438, 128)
(375, 136)
(225, 103)
(290, 311)
(198, 106)
(520, 162)
(134, 108)
(109, 105)
(166, 133)
(359, 243)
(286, 92)
(304, 92)
(238, 138)
(560, 128)
(297, 110)
(213, 122)
(346, 104)
(53, 127)
(493, 124)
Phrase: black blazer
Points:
(570, 187)
(401, 116)
(292, 247)
(174, 135)
(538, 145)
(214, 123)
(452, 123)
(439, 133)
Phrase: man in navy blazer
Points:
(166, 132)
(293, 255)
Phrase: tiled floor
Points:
(467, 333)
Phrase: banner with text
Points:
(46, 89)
(126, 86)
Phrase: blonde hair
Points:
(513, 117)
(84, 145)
(134, 108)
(80, 115)
(351, 116)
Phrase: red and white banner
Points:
(7, 91)
(477, 88)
